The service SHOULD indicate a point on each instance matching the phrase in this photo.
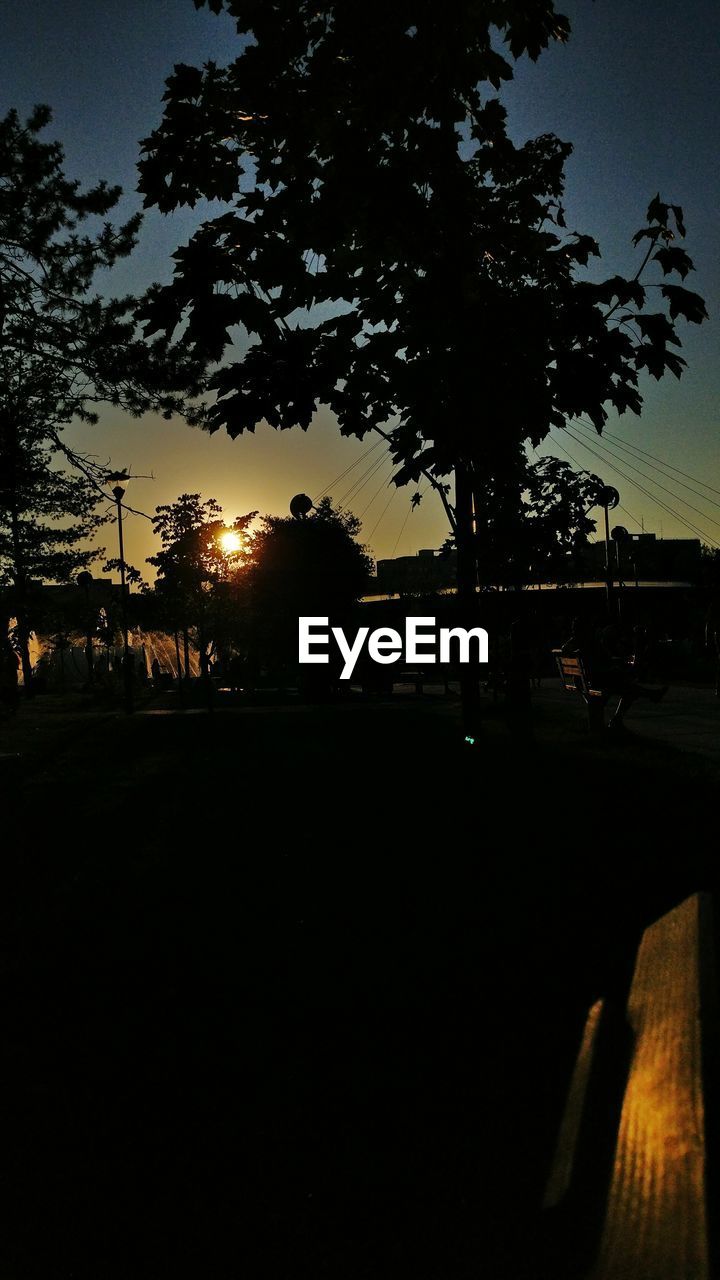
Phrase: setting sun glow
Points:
(230, 542)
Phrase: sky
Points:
(636, 90)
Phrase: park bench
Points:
(573, 674)
(627, 1193)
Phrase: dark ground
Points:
(294, 992)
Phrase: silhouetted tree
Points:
(63, 350)
(536, 522)
(60, 344)
(133, 576)
(47, 516)
(193, 566)
(376, 197)
(314, 567)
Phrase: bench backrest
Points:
(647, 1069)
(572, 671)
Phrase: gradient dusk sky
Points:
(636, 90)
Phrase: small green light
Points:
(469, 739)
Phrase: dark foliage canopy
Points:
(310, 565)
(63, 350)
(538, 539)
(59, 340)
(388, 250)
(196, 576)
(46, 515)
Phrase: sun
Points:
(230, 542)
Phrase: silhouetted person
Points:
(610, 666)
(156, 673)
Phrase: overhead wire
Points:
(651, 479)
(346, 472)
(634, 519)
(588, 428)
(574, 461)
(382, 513)
(668, 465)
(402, 527)
(641, 488)
(359, 483)
(383, 484)
(349, 470)
(658, 501)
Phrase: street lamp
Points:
(118, 493)
(301, 506)
(619, 535)
(609, 499)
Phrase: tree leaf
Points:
(685, 303)
(674, 259)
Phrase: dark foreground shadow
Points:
(300, 994)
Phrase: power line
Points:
(669, 465)
(359, 484)
(362, 483)
(626, 448)
(581, 468)
(382, 513)
(351, 467)
(634, 519)
(677, 496)
(402, 529)
(648, 494)
(568, 454)
(385, 481)
(363, 455)
(658, 501)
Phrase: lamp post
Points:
(609, 499)
(118, 494)
(619, 535)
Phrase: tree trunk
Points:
(177, 660)
(18, 559)
(186, 651)
(205, 673)
(23, 631)
(23, 641)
